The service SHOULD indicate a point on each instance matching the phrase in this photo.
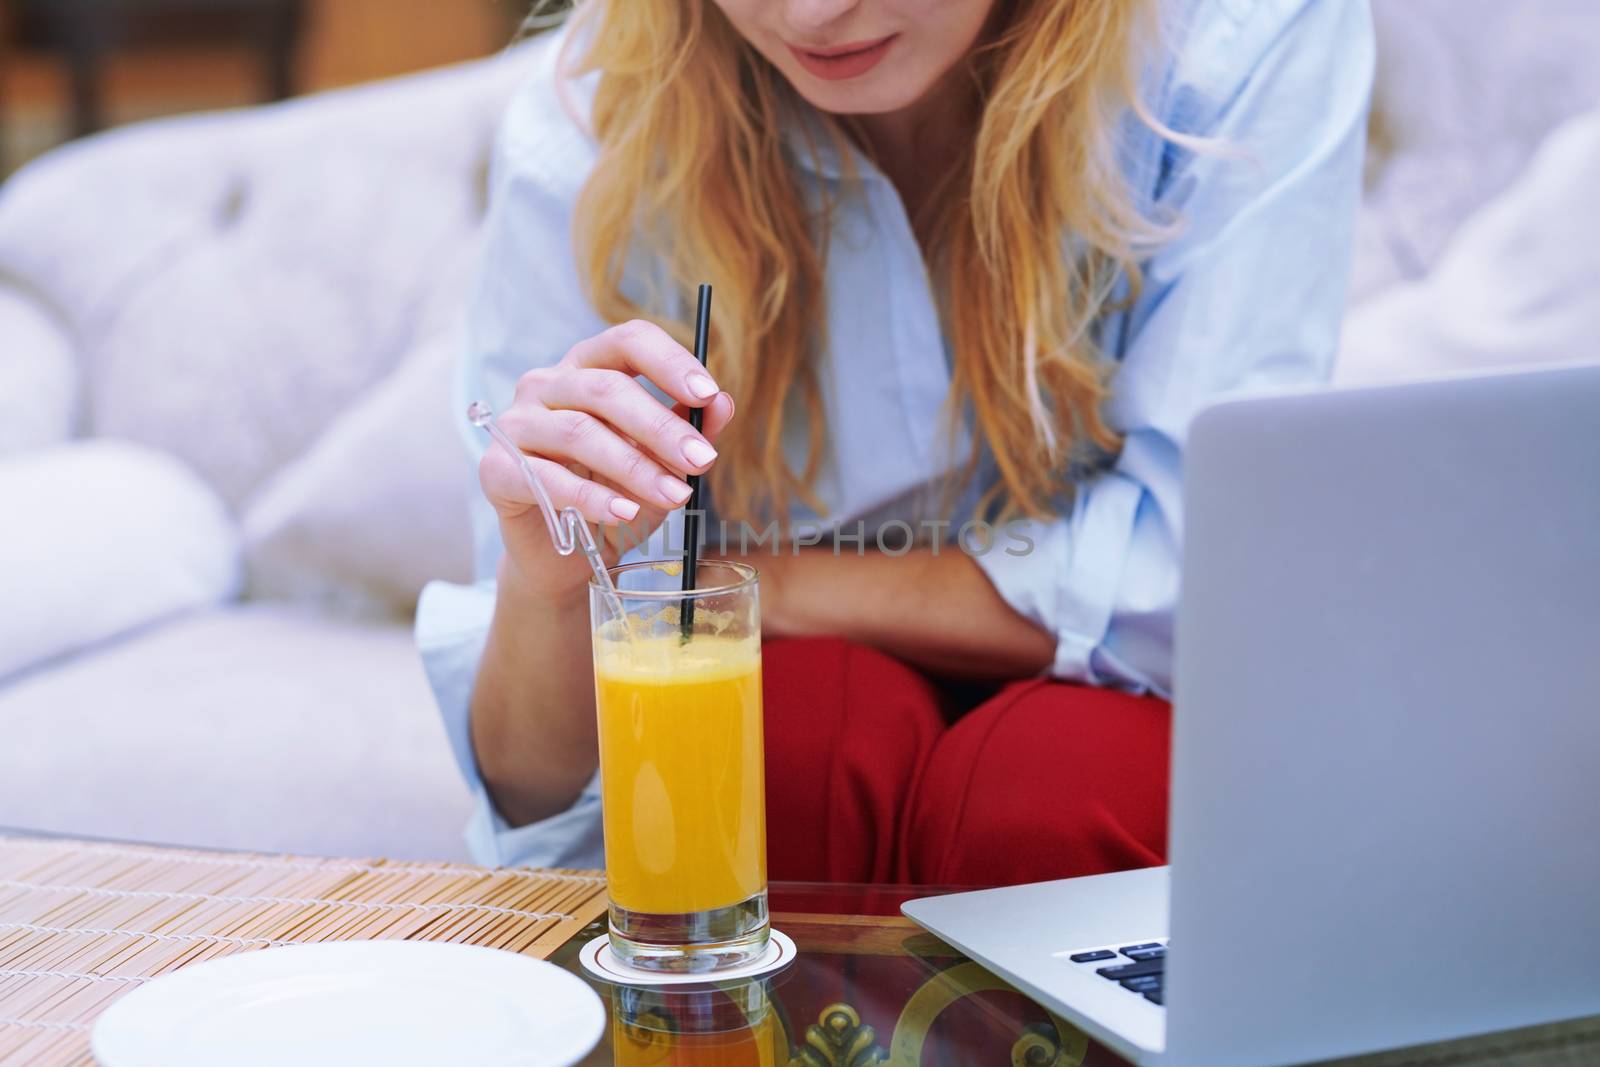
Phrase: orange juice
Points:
(752, 1046)
(681, 772)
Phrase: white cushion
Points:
(378, 507)
(1517, 285)
(1466, 89)
(100, 537)
(237, 350)
(38, 374)
(251, 727)
(236, 280)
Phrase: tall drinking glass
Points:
(730, 1024)
(681, 768)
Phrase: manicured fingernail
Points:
(625, 510)
(673, 489)
(702, 386)
(697, 452)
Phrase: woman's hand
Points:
(600, 442)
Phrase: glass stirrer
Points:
(568, 530)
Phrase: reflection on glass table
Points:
(869, 987)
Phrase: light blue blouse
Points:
(1249, 295)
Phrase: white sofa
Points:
(227, 467)
(227, 462)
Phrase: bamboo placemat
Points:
(83, 923)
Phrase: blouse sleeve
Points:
(1249, 295)
(526, 310)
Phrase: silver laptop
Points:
(1386, 751)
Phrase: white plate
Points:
(389, 1002)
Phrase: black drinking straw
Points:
(691, 517)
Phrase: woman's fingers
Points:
(619, 400)
(511, 496)
(579, 437)
(598, 501)
(717, 415)
(602, 443)
(640, 347)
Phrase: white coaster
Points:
(600, 961)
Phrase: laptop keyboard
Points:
(1139, 968)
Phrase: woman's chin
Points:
(874, 93)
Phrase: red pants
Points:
(868, 780)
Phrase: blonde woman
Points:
(977, 264)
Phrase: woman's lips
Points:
(844, 61)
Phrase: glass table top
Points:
(869, 987)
